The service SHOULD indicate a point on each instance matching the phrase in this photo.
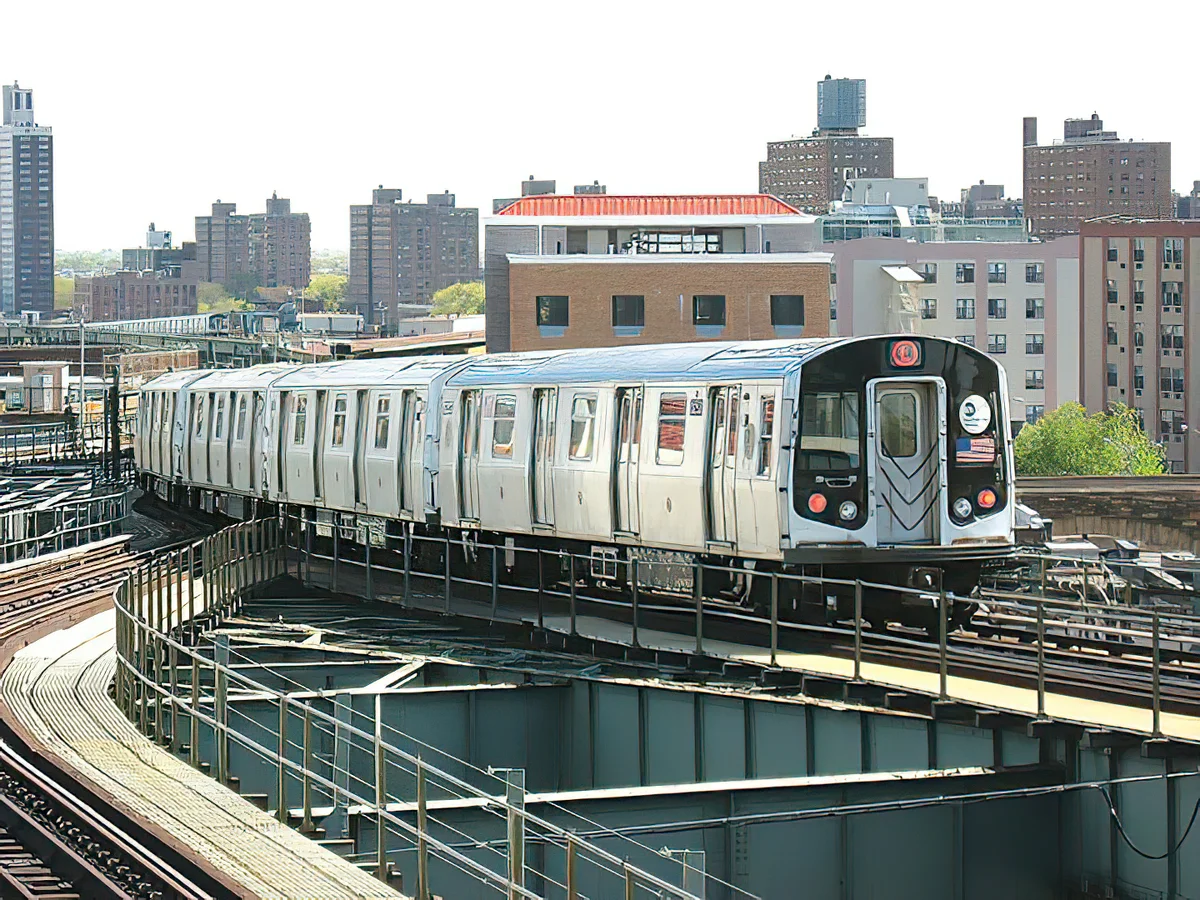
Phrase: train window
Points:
(672, 426)
(219, 425)
(200, 416)
(503, 426)
(766, 434)
(300, 420)
(829, 432)
(383, 416)
(898, 424)
(583, 427)
(241, 418)
(339, 420)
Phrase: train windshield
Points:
(829, 432)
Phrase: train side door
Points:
(410, 459)
(468, 454)
(721, 463)
(905, 444)
(257, 457)
(626, 450)
(545, 412)
(360, 445)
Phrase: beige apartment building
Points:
(1018, 301)
(1140, 315)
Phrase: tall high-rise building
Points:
(26, 206)
(1091, 173)
(401, 254)
(274, 246)
(810, 172)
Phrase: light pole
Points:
(82, 393)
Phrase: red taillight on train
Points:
(817, 503)
(986, 498)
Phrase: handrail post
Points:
(407, 559)
(495, 579)
(194, 723)
(1156, 675)
(699, 589)
(173, 656)
(541, 593)
(858, 623)
(281, 806)
(514, 796)
(774, 618)
(630, 882)
(633, 584)
(221, 705)
(571, 579)
(306, 824)
(943, 663)
(446, 573)
(572, 878)
(337, 532)
(367, 551)
(380, 794)
(422, 835)
(1041, 658)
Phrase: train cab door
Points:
(545, 412)
(721, 464)
(626, 450)
(906, 446)
(468, 454)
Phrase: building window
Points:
(1171, 379)
(708, 309)
(672, 424)
(1112, 335)
(1171, 337)
(1035, 344)
(997, 343)
(929, 308)
(1112, 250)
(1139, 247)
(997, 308)
(503, 424)
(833, 309)
(1172, 251)
(928, 272)
(1111, 369)
(1033, 412)
(787, 309)
(964, 309)
(1139, 336)
(1035, 379)
(1172, 296)
(583, 427)
(997, 272)
(1110, 287)
(1035, 307)
(968, 339)
(1139, 377)
(628, 311)
(553, 312)
(964, 273)
(1139, 291)
(1035, 273)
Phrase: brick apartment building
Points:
(134, 295)
(275, 246)
(401, 254)
(1016, 300)
(599, 270)
(811, 172)
(1091, 173)
(1140, 314)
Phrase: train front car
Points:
(901, 475)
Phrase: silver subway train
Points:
(883, 458)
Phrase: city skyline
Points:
(480, 128)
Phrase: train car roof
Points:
(706, 360)
(369, 372)
(173, 381)
(249, 377)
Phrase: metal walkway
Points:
(57, 687)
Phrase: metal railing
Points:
(1052, 628)
(173, 691)
(35, 527)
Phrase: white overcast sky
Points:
(160, 108)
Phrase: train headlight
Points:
(848, 510)
(962, 508)
(817, 504)
(986, 498)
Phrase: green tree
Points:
(82, 261)
(330, 262)
(328, 289)
(64, 292)
(465, 298)
(1070, 442)
(214, 298)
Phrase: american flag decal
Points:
(975, 449)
